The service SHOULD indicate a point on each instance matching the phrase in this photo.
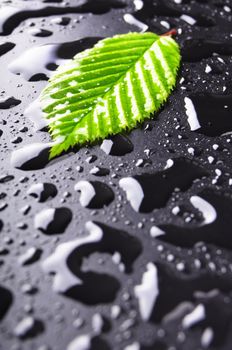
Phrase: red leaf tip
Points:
(170, 32)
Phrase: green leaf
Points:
(110, 88)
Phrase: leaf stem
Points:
(170, 32)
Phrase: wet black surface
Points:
(105, 286)
(193, 259)
(158, 187)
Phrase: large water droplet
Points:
(53, 221)
(66, 263)
(42, 191)
(118, 145)
(163, 183)
(94, 194)
(212, 230)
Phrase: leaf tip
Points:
(171, 32)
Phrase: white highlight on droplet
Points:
(207, 337)
(226, 8)
(169, 164)
(188, 19)
(138, 4)
(44, 218)
(197, 315)
(148, 291)
(5, 13)
(24, 326)
(34, 113)
(29, 254)
(87, 192)
(134, 191)
(191, 151)
(156, 232)
(210, 159)
(36, 189)
(165, 24)
(208, 69)
(135, 22)
(57, 262)
(35, 60)
(106, 146)
(115, 311)
(134, 346)
(26, 153)
(208, 211)
(191, 114)
(97, 323)
(82, 342)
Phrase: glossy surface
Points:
(178, 230)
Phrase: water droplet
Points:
(9, 102)
(39, 32)
(32, 156)
(66, 263)
(163, 183)
(53, 221)
(30, 256)
(6, 178)
(28, 327)
(6, 47)
(98, 171)
(42, 191)
(207, 108)
(118, 145)
(214, 208)
(94, 194)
